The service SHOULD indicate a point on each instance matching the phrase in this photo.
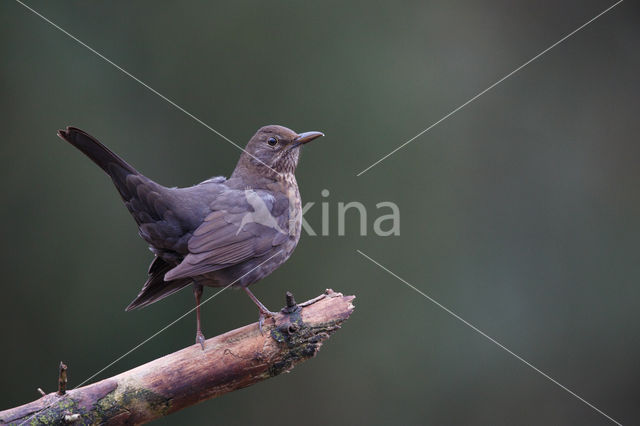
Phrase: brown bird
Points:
(220, 232)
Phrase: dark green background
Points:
(521, 212)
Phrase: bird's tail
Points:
(156, 287)
(108, 161)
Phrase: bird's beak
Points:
(305, 137)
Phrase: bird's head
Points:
(273, 150)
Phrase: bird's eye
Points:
(272, 141)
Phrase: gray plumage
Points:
(205, 234)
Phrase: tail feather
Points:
(92, 148)
(107, 160)
(156, 288)
(151, 205)
(147, 201)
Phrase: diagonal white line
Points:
(142, 83)
(482, 333)
(489, 88)
(154, 335)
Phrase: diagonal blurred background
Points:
(521, 212)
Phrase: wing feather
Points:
(228, 236)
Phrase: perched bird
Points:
(221, 231)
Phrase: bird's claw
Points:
(264, 315)
(200, 339)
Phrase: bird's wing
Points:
(220, 241)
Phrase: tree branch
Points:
(231, 361)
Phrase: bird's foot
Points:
(200, 339)
(264, 315)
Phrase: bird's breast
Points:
(295, 208)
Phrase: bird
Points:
(221, 232)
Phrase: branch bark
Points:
(231, 361)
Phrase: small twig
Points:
(327, 292)
(43, 393)
(62, 379)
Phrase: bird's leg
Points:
(197, 292)
(264, 312)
